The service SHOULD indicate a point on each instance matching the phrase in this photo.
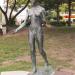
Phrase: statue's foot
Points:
(46, 65)
(34, 71)
(48, 68)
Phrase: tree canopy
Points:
(12, 4)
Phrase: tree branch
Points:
(2, 10)
(7, 6)
(6, 18)
(21, 9)
(12, 9)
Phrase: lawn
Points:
(58, 42)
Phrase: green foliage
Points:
(51, 15)
(61, 23)
(63, 7)
(48, 4)
(18, 3)
(73, 5)
(21, 2)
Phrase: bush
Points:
(61, 23)
(51, 15)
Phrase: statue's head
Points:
(33, 2)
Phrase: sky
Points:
(1, 2)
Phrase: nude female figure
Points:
(37, 16)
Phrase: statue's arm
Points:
(22, 25)
(44, 15)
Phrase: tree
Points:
(48, 4)
(13, 3)
(52, 4)
(69, 8)
(57, 10)
(63, 7)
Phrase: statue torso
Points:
(35, 17)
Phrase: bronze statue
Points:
(36, 14)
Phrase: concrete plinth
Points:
(15, 73)
(44, 71)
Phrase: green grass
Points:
(59, 44)
(16, 66)
(11, 47)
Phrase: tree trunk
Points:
(21, 9)
(10, 21)
(58, 13)
(57, 8)
(69, 8)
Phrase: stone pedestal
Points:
(44, 71)
(40, 71)
(15, 73)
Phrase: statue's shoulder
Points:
(28, 10)
(41, 8)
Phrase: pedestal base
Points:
(44, 71)
(15, 73)
(40, 71)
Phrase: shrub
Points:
(61, 23)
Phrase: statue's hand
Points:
(12, 31)
(44, 23)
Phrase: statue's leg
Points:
(41, 49)
(32, 50)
